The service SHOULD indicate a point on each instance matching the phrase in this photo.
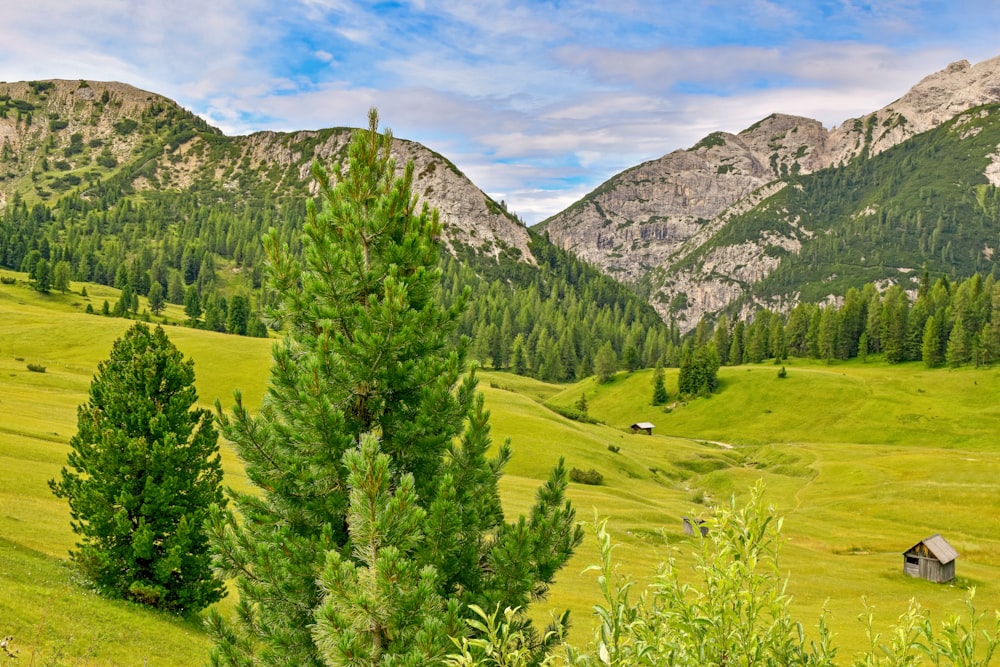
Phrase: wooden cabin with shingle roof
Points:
(643, 427)
(932, 559)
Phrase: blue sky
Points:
(537, 102)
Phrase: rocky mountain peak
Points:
(648, 219)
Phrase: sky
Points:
(537, 102)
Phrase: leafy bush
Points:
(36, 368)
(614, 449)
(591, 477)
(126, 126)
(7, 281)
(575, 414)
(106, 159)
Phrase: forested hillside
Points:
(925, 204)
(115, 186)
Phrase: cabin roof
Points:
(938, 546)
(643, 425)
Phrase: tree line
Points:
(553, 321)
(943, 323)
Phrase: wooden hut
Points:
(642, 426)
(932, 559)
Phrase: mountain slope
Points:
(658, 224)
(117, 186)
(58, 135)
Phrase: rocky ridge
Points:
(59, 134)
(642, 224)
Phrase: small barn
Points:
(932, 559)
(642, 426)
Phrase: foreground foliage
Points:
(369, 355)
(734, 611)
(143, 471)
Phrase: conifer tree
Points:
(41, 276)
(659, 388)
(367, 354)
(379, 604)
(61, 275)
(192, 304)
(142, 472)
(606, 363)
(156, 301)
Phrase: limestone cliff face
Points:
(643, 224)
(55, 135)
(633, 222)
(936, 99)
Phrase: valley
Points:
(862, 459)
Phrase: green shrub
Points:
(36, 368)
(574, 414)
(591, 477)
(126, 126)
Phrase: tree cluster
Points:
(553, 321)
(945, 323)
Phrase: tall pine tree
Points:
(367, 354)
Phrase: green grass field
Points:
(862, 460)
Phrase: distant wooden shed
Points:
(643, 426)
(932, 559)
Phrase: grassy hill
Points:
(863, 460)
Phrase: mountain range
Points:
(677, 225)
(784, 210)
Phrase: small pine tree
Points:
(192, 304)
(605, 363)
(581, 405)
(61, 275)
(41, 276)
(660, 395)
(156, 300)
(238, 316)
(143, 470)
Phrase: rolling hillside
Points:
(863, 460)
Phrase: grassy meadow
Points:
(862, 460)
